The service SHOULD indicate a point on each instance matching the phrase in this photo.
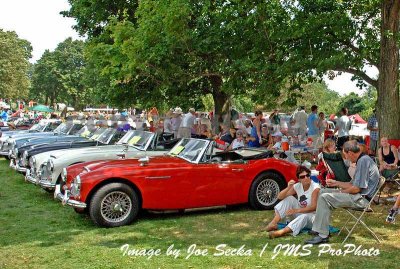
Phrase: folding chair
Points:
(394, 178)
(358, 219)
(336, 166)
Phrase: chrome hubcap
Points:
(267, 192)
(116, 206)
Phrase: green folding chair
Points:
(336, 166)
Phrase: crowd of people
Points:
(314, 203)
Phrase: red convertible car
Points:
(194, 174)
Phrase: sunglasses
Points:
(304, 176)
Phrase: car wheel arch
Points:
(114, 180)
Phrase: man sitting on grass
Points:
(355, 194)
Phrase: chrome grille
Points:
(43, 172)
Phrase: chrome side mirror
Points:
(144, 161)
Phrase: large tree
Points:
(59, 76)
(178, 51)
(346, 36)
(14, 65)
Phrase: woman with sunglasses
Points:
(300, 209)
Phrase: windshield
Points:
(75, 129)
(189, 149)
(63, 128)
(106, 136)
(137, 139)
(36, 127)
(94, 135)
(52, 126)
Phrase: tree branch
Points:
(358, 73)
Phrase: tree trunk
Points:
(220, 103)
(388, 110)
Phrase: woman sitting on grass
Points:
(302, 208)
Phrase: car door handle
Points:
(237, 169)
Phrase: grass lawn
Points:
(38, 232)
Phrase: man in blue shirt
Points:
(354, 194)
(4, 115)
(312, 124)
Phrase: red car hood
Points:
(159, 161)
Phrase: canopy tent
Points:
(357, 118)
(41, 108)
(332, 117)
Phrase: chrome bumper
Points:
(21, 169)
(30, 178)
(64, 198)
(4, 153)
(47, 184)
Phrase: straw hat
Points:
(178, 110)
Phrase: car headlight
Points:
(64, 175)
(25, 158)
(32, 161)
(76, 187)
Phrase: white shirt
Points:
(301, 119)
(188, 120)
(237, 144)
(176, 122)
(304, 197)
(168, 126)
(344, 126)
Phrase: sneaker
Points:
(392, 215)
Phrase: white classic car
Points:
(135, 144)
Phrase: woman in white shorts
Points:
(301, 209)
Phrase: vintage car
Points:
(192, 175)
(102, 136)
(134, 144)
(63, 133)
(44, 128)
(18, 124)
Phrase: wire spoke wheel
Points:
(116, 206)
(267, 192)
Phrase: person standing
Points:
(188, 120)
(176, 121)
(300, 121)
(373, 133)
(275, 120)
(167, 122)
(321, 129)
(255, 139)
(312, 124)
(354, 194)
(343, 127)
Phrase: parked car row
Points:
(111, 175)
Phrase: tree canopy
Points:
(14, 65)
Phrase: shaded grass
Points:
(37, 232)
